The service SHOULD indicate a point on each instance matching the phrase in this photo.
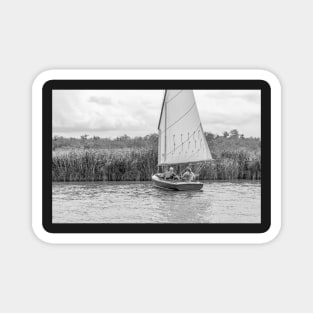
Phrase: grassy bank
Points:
(140, 164)
(135, 159)
(103, 165)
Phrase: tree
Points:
(234, 134)
(84, 141)
(225, 134)
(84, 137)
(209, 136)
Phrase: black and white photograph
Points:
(156, 156)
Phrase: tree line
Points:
(229, 141)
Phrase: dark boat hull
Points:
(176, 185)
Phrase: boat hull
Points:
(176, 185)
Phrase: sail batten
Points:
(181, 137)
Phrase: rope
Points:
(199, 168)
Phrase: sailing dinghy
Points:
(181, 138)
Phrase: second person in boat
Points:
(188, 175)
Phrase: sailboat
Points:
(181, 138)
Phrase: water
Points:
(141, 202)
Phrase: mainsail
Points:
(181, 137)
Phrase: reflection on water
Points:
(141, 202)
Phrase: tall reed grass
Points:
(141, 164)
(233, 165)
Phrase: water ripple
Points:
(141, 202)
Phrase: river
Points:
(141, 202)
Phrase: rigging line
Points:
(198, 170)
(184, 141)
(194, 104)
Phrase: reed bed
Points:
(233, 165)
(141, 164)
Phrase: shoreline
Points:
(148, 181)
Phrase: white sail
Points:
(181, 137)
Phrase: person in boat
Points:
(170, 174)
(188, 175)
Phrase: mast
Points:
(165, 118)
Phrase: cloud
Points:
(94, 111)
(249, 95)
(101, 100)
(136, 112)
(222, 110)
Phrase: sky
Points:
(112, 113)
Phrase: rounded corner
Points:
(270, 78)
(271, 233)
(42, 233)
(42, 79)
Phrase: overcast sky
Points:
(112, 113)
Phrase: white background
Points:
(38, 35)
